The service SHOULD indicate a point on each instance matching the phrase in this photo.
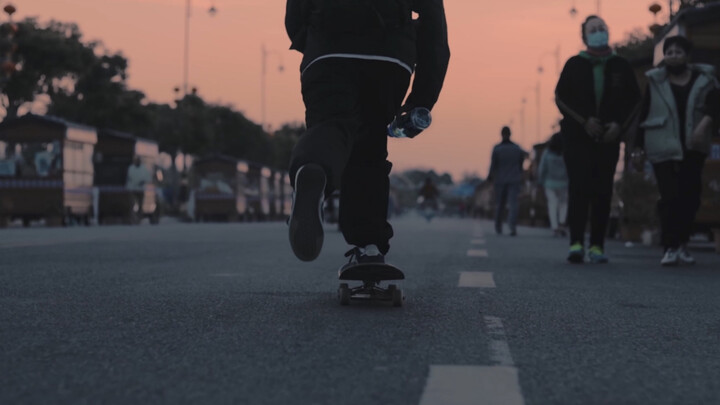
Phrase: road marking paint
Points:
(472, 385)
(476, 279)
(499, 348)
(477, 253)
(477, 242)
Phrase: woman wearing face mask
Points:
(597, 94)
(680, 109)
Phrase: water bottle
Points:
(410, 124)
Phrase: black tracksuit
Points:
(591, 164)
(351, 99)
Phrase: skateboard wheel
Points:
(397, 297)
(344, 294)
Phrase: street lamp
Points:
(263, 75)
(186, 58)
(574, 11)
(540, 70)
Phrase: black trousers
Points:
(591, 171)
(680, 187)
(349, 103)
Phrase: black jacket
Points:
(422, 44)
(575, 96)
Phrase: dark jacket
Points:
(506, 165)
(420, 44)
(575, 96)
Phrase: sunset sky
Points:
(496, 49)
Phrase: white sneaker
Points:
(670, 258)
(684, 256)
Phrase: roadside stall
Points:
(124, 176)
(287, 192)
(218, 186)
(46, 170)
(258, 192)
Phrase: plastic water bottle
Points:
(409, 125)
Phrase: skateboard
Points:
(371, 274)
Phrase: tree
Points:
(49, 60)
(283, 141)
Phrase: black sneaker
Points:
(306, 229)
(368, 254)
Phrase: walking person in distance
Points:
(552, 176)
(506, 174)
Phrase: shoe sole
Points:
(306, 230)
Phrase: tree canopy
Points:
(82, 82)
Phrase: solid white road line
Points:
(477, 253)
(472, 385)
(476, 279)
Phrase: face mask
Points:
(598, 39)
(676, 69)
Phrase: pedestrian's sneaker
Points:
(596, 255)
(577, 253)
(684, 256)
(369, 254)
(513, 232)
(306, 230)
(670, 258)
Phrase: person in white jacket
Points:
(553, 177)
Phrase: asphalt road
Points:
(224, 314)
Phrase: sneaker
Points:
(306, 229)
(368, 254)
(684, 256)
(670, 258)
(596, 255)
(513, 232)
(577, 253)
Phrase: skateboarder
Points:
(358, 57)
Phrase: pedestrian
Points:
(597, 95)
(429, 194)
(553, 178)
(506, 174)
(358, 58)
(679, 114)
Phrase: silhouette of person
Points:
(506, 174)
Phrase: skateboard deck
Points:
(371, 274)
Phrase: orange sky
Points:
(496, 48)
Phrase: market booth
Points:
(219, 185)
(127, 191)
(46, 170)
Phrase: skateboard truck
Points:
(371, 275)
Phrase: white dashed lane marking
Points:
(472, 385)
(476, 279)
(477, 253)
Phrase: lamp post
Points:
(265, 53)
(186, 55)
(540, 70)
(574, 11)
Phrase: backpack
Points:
(360, 17)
